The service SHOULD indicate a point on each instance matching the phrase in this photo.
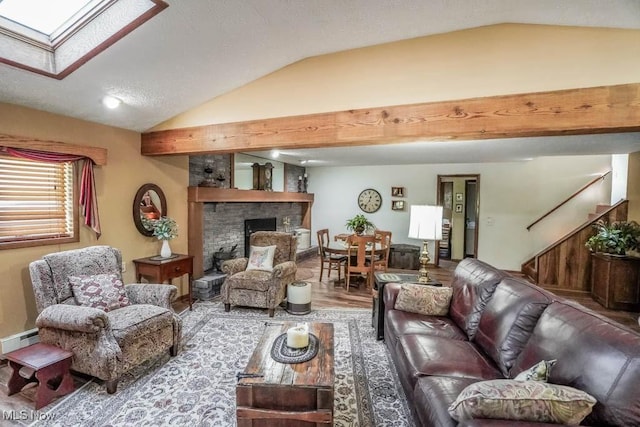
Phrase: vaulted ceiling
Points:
(196, 50)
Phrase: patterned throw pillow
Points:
(538, 372)
(424, 299)
(261, 258)
(522, 401)
(103, 291)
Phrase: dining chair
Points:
(381, 260)
(332, 261)
(361, 250)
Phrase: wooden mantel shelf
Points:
(213, 194)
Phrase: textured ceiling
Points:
(196, 50)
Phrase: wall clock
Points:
(369, 200)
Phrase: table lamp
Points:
(426, 224)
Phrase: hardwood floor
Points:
(326, 293)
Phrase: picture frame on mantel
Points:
(397, 191)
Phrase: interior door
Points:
(459, 197)
(470, 218)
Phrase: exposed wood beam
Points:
(98, 155)
(604, 109)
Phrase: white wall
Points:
(512, 195)
(620, 174)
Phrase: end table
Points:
(160, 270)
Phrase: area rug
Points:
(197, 388)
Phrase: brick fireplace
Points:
(217, 215)
(223, 224)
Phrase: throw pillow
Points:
(424, 299)
(522, 401)
(103, 291)
(538, 372)
(261, 258)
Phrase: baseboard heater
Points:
(23, 339)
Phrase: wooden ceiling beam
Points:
(604, 109)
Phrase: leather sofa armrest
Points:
(150, 293)
(390, 295)
(73, 318)
(285, 269)
(233, 266)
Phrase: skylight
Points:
(55, 37)
(44, 16)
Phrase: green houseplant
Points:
(616, 238)
(359, 224)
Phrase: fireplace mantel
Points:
(213, 194)
(198, 196)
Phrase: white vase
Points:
(165, 252)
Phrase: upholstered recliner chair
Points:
(259, 287)
(135, 322)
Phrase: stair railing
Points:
(530, 268)
(559, 205)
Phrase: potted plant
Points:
(616, 238)
(165, 229)
(359, 224)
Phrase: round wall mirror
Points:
(148, 206)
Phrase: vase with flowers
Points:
(165, 229)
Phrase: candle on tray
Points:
(298, 336)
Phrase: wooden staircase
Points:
(564, 267)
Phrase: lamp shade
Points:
(425, 222)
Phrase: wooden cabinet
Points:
(615, 281)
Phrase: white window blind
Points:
(36, 200)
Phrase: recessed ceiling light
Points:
(275, 154)
(111, 102)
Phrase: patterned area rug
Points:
(197, 387)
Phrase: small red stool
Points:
(45, 364)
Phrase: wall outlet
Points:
(124, 266)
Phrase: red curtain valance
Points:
(88, 200)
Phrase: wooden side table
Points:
(159, 270)
(45, 364)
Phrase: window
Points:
(44, 16)
(54, 38)
(36, 203)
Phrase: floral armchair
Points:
(260, 288)
(137, 324)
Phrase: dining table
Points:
(340, 247)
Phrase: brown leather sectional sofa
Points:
(497, 327)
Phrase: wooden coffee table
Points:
(287, 395)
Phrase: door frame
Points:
(468, 177)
